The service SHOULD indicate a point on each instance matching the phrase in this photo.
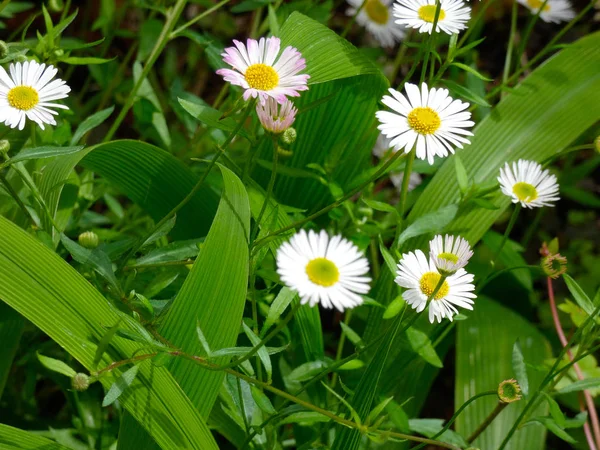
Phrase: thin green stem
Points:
(348, 26)
(511, 40)
(196, 187)
(456, 414)
(431, 41)
(490, 277)
(16, 197)
(161, 42)
(404, 193)
(532, 21)
(482, 8)
(197, 18)
(398, 59)
(340, 348)
(270, 186)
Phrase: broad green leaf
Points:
(580, 385)
(90, 123)
(11, 328)
(562, 112)
(338, 134)
(56, 365)
(119, 386)
(484, 346)
(14, 438)
(52, 295)
(421, 344)
(429, 223)
(520, 368)
(579, 295)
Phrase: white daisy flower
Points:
(330, 271)
(554, 11)
(429, 118)
(376, 16)
(420, 277)
(453, 17)
(28, 93)
(261, 73)
(276, 118)
(527, 183)
(449, 253)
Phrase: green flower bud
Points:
(88, 239)
(58, 52)
(289, 136)
(80, 382)
(4, 147)
(3, 49)
(509, 391)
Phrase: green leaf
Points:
(352, 365)
(562, 110)
(484, 346)
(262, 401)
(41, 152)
(552, 426)
(394, 308)
(119, 386)
(90, 123)
(579, 295)
(307, 370)
(430, 427)
(429, 223)
(470, 70)
(421, 344)
(374, 414)
(104, 343)
(580, 385)
(380, 206)
(56, 365)
(202, 339)
(262, 352)
(352, 335)
(53, 296)
(461, 174)
(281, 302)
(85, 60)
(555, 411)
(207, 115)
(13, 438)
(520, 368)
(164, 230)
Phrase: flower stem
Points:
(431, 40)
(489, 419)
(511, 40)
(594, 442)
(161, 42)
(197, 18)
(404, 193)
(353, 19)
(269, 188)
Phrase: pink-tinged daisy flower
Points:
(276, 118)
(28, 93)
(261, 73)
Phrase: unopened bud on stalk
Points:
(88, 239)
(3, 49)
(289, 136)
(509, 391)
(80, 382)
(4, 147)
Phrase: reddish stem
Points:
(593, 441)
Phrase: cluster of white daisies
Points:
(332, 271)
(387, 20)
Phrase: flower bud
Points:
(289, 136)
(4, 147)
(509, 391)
(58, 52)
(80, 382)
(88, 239)
(554, 265)
(3, 49)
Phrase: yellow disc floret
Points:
(536, 4)
(261, 77)
(424, 120)
(525, 192)
(377, 11)
(429, 282)
(427, 13)
(449, 257)
(323, 272)
(23, 97)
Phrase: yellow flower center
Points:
(537, 4)
(429, 282)
(261, 77)
(525, 192)
(23, 97)
(424, 120)
(427, 13)
(449, 257)
(377, 11)
(323, 272)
